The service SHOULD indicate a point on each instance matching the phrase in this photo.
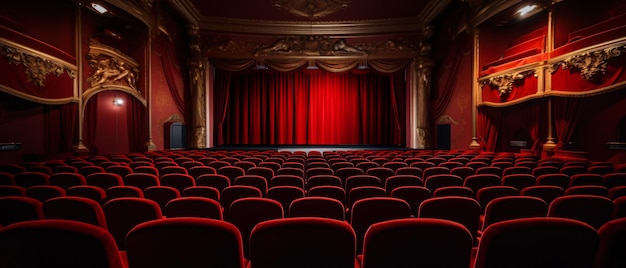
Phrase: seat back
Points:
(57, 243)
(302, 242)
(75, 208)
(537, 243)
(463, 210)
(368, 211)
(315, 206)
(185, 242)
(200, 207)
(514, 207)
(593, 210)
(247, 212)
(123, 214)
(15, 209)
(417, 243)
(612, 244)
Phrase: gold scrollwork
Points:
(111, 67)
(313, 45)
(504, 83)
(311, 8)
(36, 67)
(590, 64)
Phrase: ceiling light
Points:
(99, 8)
(118, 101)
(527, 9)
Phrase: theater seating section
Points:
(352, 208)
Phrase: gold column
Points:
(420, 93)
(475, 145)
(79, 147)
(150, 146)
(197, 71)
(550, 142)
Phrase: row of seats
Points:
(119, 215)
(315, 242)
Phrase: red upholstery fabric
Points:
(75, 208)
(185, 242)
(57, 243)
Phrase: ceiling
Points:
(273, 17)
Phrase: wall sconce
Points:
(118, 101)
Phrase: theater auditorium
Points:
(313, 133)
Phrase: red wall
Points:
(599, 124)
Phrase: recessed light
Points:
(525, 10)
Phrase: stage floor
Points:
(306, 148)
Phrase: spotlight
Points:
(118, 101)
(99, 8)
(527, 9)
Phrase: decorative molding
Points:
(592, 64)
(504, 83)
(111, 67)
(311, 46)
(37, 67)
(311, 9)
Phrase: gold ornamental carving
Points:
(37, 68)
(312, 45)
(505, 83)
(591, 65)
(311, 9)
(111, 67)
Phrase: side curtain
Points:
(566, 112)
(489, 121)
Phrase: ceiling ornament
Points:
(37, 67)
(311, 9)
(592, 65)
(505, 83)
(312, 45)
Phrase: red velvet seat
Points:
(231, 172)
(463, 210)
(161, 194)
(44, 192)
(201, 191)
(177, 180)
(479, 181)
(119, 170)
(537, 243)
(197, 171)
(285, 194)
(200, 207)
(27, 179)
(12, 190)
(123, 214)
(15, 209)
(612, 244)
(232, 193)
(485, 195)
(217, 181)
(334, 192)
(141, 180)
(315, 206)
(593, 210)
(123, 191)
(361, 180)
(413, 195)
(368, 211)
(357, 193)
(519, 181)
(417, 243)
(88, 170)
(437, 181)
(185, 242)
(75, 208)
(588, 190)
(103, 180)
(302, 242)
(546, 193)
(396, 181)
(453, 191)
(514, 207)
(560, 180)
(287, 180)
(462, 172)
(247, 212)
(66, 180)
(57, 243)
(586, 179)
(264, 172)
(94, 193)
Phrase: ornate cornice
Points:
(311, 9)
(311, 46)
(504, 83)
(366, 27)
(592, 64)
(37, 65)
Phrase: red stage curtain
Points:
(309, 107)
(137, 125)
(566, 112)
(447, 81)
(90, 123)
(489, 121)
(531, 114)
(69, 115)
(164, 48)
(220, 103)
